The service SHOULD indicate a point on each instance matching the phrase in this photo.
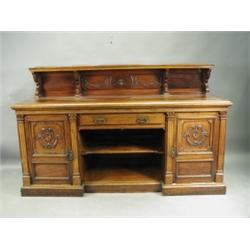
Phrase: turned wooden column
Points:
(205, 75)
(39, 88)
(78, 83)
(165, 76)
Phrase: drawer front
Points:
(122, 119)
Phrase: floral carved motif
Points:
(123, 81)
(136, 82)
(104, 84)
(48, 138)
(196, 135)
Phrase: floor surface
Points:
(236, 203)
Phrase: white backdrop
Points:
(229, 51)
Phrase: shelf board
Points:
(121, 149)
(122, 179)
(120, 173)
(106, 187)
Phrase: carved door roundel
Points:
(195, 135)
(48, 138)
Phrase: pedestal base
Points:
(183, 189)
(36, 190)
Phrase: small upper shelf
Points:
(115, 80)
(119, 67)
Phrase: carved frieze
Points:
(104, 83)
(148, 84)
(121, 81)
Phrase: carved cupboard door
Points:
(196, 149)
(49, 149)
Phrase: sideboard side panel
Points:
(23, 150)
(221, 148)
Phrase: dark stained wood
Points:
(148, 80)
(58, 84)
(122, 128)
(121, 141)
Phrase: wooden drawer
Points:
(122, 119)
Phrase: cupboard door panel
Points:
(49, 135)
(49, 145)
(197, 133)
(195, 136)
(196, 147)
(194, 171)
(51, 173)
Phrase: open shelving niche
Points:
(121, 160)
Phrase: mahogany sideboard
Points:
(122, 128)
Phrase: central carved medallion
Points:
(48, 138)
(195, 135)
(120, 82)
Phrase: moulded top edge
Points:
(117, 67)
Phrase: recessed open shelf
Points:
(122, 173)
(116, 141)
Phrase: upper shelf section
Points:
(121, 80)
(122, 67)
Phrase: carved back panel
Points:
(120, 80)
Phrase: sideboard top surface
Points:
(112, 102)
(119, 67)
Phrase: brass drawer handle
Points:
(99, 120)
(142, 119)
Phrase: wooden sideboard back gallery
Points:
(122, 128)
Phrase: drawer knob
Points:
(99, 120)
(142, 119)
